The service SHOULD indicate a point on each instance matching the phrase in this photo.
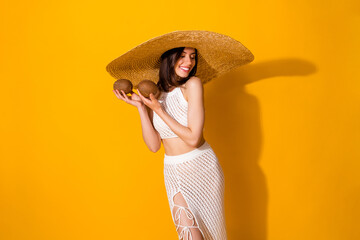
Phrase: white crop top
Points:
(176, 106)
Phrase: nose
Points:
(187, 60)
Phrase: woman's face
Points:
(185, 63)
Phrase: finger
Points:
(134, 93)
(141, 96)
(144, 99)
(125, 96)
(116, 93)
(139, 92)
(152, 96)
(119, 95)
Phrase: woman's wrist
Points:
(142, 107)
(159, 111)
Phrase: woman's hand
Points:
(152, 103)
(134, 99)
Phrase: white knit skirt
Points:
(199, 177)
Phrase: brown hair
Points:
(167, 75)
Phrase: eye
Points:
(190, 57)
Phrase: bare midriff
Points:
(175, 146)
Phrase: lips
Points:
(185, 69)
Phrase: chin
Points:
(182, 75)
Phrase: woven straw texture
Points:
(217, 54)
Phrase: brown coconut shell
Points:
(123, 84)
(146, 87)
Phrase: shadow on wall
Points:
(233, 124)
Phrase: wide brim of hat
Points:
(217, 54)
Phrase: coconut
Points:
(146, 87)
(123, 84)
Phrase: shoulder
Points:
(193, 82)
(193, 87)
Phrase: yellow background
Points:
(285, 127)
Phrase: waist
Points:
(188, 155)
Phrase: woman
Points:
(194, 179)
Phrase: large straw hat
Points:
(217, 54)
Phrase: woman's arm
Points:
(150, 135)
(192, 134)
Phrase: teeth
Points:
(186, 69)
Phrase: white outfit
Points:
(176, 106)
(196, 174)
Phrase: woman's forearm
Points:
(150, 136)
(181, 131)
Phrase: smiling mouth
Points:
(185, 69)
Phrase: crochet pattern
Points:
(198, 176)
(176, 106)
